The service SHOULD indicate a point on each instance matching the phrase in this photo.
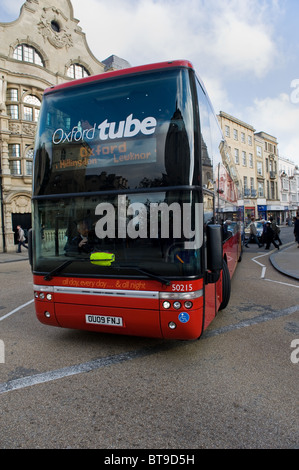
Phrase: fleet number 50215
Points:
(182, 287)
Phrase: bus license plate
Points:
(103, 320)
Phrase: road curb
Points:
(276, 265)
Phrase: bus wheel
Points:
(226, 286)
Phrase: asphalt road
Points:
(237, 387)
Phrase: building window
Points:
(55, 26)
(31, 99)
(29, 168)
(29, 160)
(284, 197)
(244, 158)
(28, 114)
(14, 151)
(272, 190)
(235, 134)
(259, 167)
(31, 111)
(15, 167)
(227, 131)
(237, 156)
(260, 187)
(26, 53)
(250, 160)
(285, 183)
(259, 151)
(243, 137)
(12, 94)
(77, 71)
(13, 111)
(249, 140)
(29, 153)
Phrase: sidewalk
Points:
(286, 260)
(11, 257)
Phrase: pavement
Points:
(12, 257)
(285, 260)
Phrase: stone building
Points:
(240, 140)
(45, 46)
(255, 155)
(288, 189)
(270, 161)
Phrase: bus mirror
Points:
(30, 252)
(214, 252)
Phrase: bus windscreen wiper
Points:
(146, 273)
(60, 268)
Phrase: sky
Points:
(245, 51)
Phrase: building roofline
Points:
(236, 120)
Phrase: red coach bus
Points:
(131, 186)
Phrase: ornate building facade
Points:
(45, 46)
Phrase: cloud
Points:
(279, 117)
(229, 36)
(241, 46)
(225, 41)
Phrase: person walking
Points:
(269, 236)
(276, 230)
(253, 234)
(296, 229)
(21, 239)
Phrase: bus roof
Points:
(122, 72)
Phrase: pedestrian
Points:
(253, 234)
(296, 229)
(21, 238)
(269, 236)
(276, 230)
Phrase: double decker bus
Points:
(130, 190)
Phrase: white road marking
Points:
(264, 268)
(283, 283)
(16, 310)
(45, 377)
